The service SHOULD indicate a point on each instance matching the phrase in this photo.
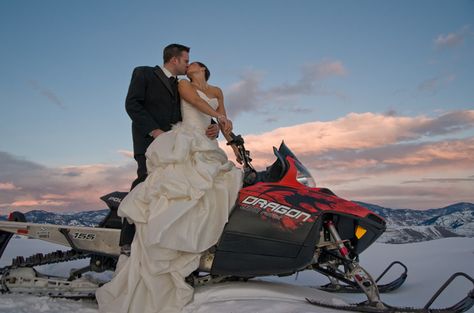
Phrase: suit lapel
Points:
(159, 72)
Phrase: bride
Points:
(180, 209)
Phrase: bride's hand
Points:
(225, 124)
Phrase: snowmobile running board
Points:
(462, 306)
(100, 241)
(393, 285)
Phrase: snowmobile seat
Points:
(112, 220)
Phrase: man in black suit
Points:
(153, 104)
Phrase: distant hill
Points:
(403, 225)
(406, 225)
(86, 218)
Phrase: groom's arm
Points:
(135, 103)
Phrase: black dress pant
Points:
(128, 230)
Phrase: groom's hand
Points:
(156, 132)
(212, 131)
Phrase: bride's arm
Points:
(188, 93)
(220, 100)
(221, 110)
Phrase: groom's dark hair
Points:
(173, 50)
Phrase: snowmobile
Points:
(281, 224)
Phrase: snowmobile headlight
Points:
(306, 180)
(303, 176)
(360, 231)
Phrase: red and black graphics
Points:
(287, 210)
(277, 223)
(280, 205)
(291, 207)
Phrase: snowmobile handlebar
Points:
(250, 174)
(238, 141)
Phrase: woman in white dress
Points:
(181, 208)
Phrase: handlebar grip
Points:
(236, 139)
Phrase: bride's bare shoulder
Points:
(216, 91)
(184, 81)
(184, 85)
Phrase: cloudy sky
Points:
(376, 97)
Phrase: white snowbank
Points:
(429, 265)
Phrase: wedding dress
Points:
(179, 211)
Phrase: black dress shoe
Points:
(125, 249)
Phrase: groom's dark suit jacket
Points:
(151, 103)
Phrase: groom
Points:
(153, 104)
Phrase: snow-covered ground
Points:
(429, 264)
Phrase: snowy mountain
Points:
(86, 218)
(406, 225)
(403, 225)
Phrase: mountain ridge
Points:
(403, 225)
(408, 225)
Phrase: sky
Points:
(375, 97)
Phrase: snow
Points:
(30, 304)
(429, 264)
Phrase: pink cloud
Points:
(37, 203)
(355, 131)
(420, 196)
(70, 188)
(453, 150)
(7, 186)
(126, 153)
(357, 154)
(53, 196)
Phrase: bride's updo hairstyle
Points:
(207, 74)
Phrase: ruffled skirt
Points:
(179, 212)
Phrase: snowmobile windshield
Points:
(303, 176)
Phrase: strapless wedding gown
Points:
(179, 211)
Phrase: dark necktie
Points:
(174, 83)
(174, 87)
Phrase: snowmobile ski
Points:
(462, 306)
(335, 286)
